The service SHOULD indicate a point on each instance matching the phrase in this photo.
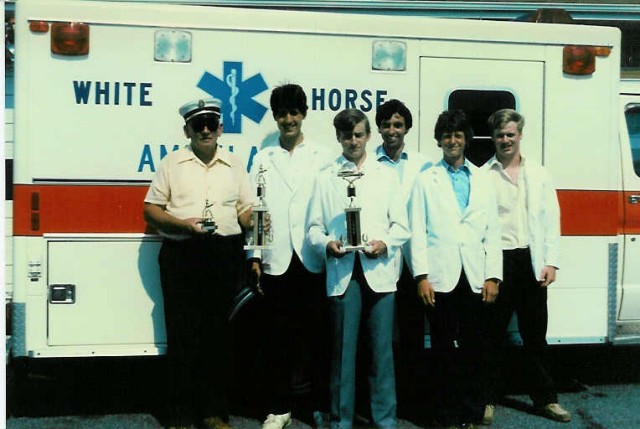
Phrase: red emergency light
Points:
(70, 38)
(579, 60)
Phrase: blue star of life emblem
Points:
(236, 94)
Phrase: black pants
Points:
(199, 279)
(296, 338)
(457, 341)
(521, 292)
(409, 314)
(409, 332)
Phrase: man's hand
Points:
(374, 249)
(266, 223)
(255, 273)
(193, 225)
(335, 249)
(157, 216)
(547, 276)
(426, 292)
(246, 219)
(490, 291)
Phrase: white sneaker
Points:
(555, 412)
(489, 410)
(277, 421)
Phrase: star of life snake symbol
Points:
(236, 95)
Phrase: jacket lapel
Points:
(443, 182)
(278, 167)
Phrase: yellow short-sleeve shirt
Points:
(184, 184)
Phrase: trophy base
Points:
(350, 248)
(209, 227)
(257, 247)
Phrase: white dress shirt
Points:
(543, 214)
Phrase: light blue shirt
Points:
(461, 184)
(398, 166)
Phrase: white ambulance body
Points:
(92, 128)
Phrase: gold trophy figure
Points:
(261, 235)
(207, 223)
(352, 212)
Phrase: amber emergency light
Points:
(70, 38)
(581, 60)
(39, 26)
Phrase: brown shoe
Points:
(215, 423)
(555, 412)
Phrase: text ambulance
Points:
(98, 85)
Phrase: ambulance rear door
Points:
(630, 150)
(480, 87)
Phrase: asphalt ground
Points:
(600, 385)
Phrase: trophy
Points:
(354, 237)
(207, 223)
(259, 237)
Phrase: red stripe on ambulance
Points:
(40, 209)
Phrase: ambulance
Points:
(99, 83)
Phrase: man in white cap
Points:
(198, 201)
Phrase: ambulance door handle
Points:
(634, 199)
(62, 294)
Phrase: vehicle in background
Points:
(98, 85)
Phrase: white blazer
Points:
(383, 217)
(543, 215)
(446, 240)
(289, 182)
(411, 166)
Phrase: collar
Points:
(493, 163)
(186, 154)
(303, 143)
(341, 161)
(464, 167)
(382, 154)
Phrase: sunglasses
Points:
(198, 123)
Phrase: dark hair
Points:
(346, 121)
(502, 117)
(287, 97)
(386, 111)
(453, 120)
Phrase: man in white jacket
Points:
(530, 220)
(360, 284)
(394, 121)
(289, 272)
(457, 263)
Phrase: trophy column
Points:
(352, 212)
(259, 237)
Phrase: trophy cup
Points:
(354, 237)
(259, 237)
(207, 223)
